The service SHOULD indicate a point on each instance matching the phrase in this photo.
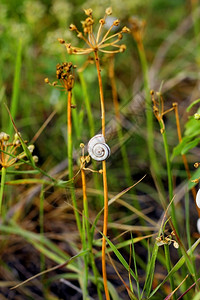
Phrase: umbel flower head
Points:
(107, 43)
(65, 74)
(8, 151)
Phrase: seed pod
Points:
(98, 149)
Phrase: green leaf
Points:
(190, 145)
(178, 149)
(120, 257)
(186, 144)
(192, 104)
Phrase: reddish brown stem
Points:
(175, 105)
(105, 186)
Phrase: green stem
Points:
(92, 133)
(169, 175)
(149, 117)
(168, 265)
(70, 160)
(87, 225)
(85, 271)
(3, 177)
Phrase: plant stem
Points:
(3, 177)
(149, 116)
(105, 186)
(175, 105)
(92, 132)
(126, 163)
(70, 159)
(168, 265)
(86, 216)
(169, 174)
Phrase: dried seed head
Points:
(4, 136)
(116, 22)
(109, 11)
(87, 159)
(125, 29)
(122, 48)
(72, 27)
(46, 80)
(80, 35)
(61, 41)
(82, 145)
(89, 21)
(120, 36)
(102, 21)
(88, 11)
(152, 92)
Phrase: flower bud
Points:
(109, 11)
(31, 148)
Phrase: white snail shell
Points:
(198, 225)
(97, 148)
(198, 198)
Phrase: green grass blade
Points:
(16, 85)
(120, 257)
(176, 267)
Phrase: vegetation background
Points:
(38, 229)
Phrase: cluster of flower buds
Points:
(65, 74)
(8, 156)
(107, 43)
(167, 240)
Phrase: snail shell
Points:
(97, 148)
(198, 198)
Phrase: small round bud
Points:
(61, 41)
(152, 92)
(31, 148)
(6, 137)
(176, 245)
(35, 158)
(46, 80)
(122, 48)
(197, 116)
(72, 27)
(82, 145)
(109, 11)
(88, 11)
(116, 22)
(120, 36)
(196, 165)
(102, 21)
(80, 35)
(125, 29)
(87, 159)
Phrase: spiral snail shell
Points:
(198, 198)
(97, 148)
